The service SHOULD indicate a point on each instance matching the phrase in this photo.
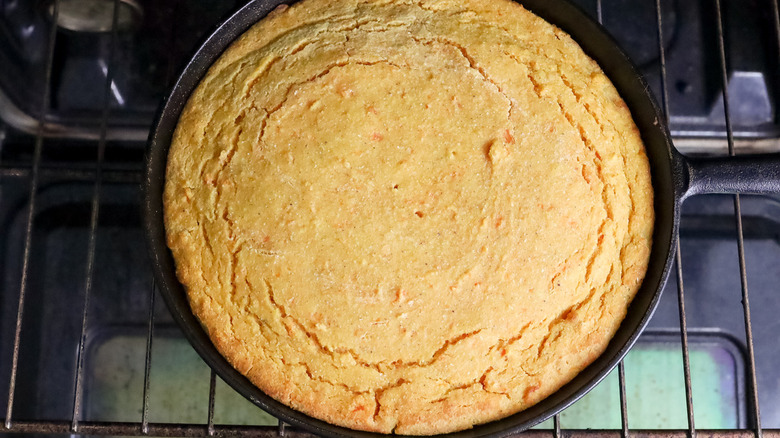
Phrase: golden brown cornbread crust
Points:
(408, 217)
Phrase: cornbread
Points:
(408, 217)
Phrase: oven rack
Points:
(98, 174)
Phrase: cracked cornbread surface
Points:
(408, 217)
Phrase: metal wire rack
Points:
(96, 174)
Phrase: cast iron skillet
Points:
(674, 178)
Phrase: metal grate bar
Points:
(2, 143)
(740, 235)
(557, 425)
(74, 174)
(724, 76)
(776, 10)
(198, 430)
(31, 214)
(684, 341)
(678, 254)
(212, 388)
(145, 427)
(746, 310)
(148, 361)
(662, 58)
(623, 405)
(93, 221)
(281, 429)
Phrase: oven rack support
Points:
(37, 171)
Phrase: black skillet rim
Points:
(667, 179)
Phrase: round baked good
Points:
(408, 217)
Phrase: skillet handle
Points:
(740, 174)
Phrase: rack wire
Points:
(98, 175)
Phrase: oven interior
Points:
(88, 348)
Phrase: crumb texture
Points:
(408, 217)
